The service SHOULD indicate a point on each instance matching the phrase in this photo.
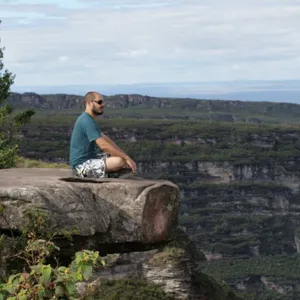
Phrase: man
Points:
(92, 153)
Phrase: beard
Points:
(97, 113)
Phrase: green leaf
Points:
(12, 278)
(79, 277)
(37, 269)
(79, 257)
(45, 279)
(62, 269)
(87, 271)
(41, 292)
(9, 289)
(70, 288)
(48, 294)
(59, 291)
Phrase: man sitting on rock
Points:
(92, 153)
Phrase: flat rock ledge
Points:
(112, 210)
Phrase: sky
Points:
(123, 42)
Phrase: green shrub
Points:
(126, 289)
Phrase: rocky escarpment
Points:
(239, 183)
(241, 219)
(173, 267)
(231, 177)
(135, 220)
(172, 108)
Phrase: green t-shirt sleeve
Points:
(92, 130)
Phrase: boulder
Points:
(108, 210)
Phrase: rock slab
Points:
(113, 210)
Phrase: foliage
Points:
(23, 162)
(217, 290)
(42, 281)
(129, 289)
(8, 145)
(282, 270)
(281, 266)
(172, 141)
(169, 254)
(39, 279)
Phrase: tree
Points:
(9, 124)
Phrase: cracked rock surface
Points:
(108, 210)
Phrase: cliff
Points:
(239, 184)
(142, 106)
(239, 181)
(132, 223)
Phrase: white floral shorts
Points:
(92, 168)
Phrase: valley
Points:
(239, 175)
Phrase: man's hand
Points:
(131, 164)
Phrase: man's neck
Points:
(91, 114)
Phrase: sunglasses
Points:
(99, 102)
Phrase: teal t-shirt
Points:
(83, 146)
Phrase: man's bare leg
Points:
(114, 163)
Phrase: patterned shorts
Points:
(92, 168)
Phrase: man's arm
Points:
(111, 142)
(110, 148)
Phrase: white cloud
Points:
(120, 41)
(63, 59)
(133, 53)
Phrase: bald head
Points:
(94, 104)
(92, 96)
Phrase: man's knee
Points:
(114, 163)
(120, 162)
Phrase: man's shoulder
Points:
(84, 118)
(87, 122)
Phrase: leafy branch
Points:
(39, 280)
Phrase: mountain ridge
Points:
(143, 106)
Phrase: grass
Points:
(129, 289)
(23, 162)
(277, 266)
(168, 255)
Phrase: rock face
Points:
(174, 273)
(101, 211)
(174, 268)
(215, 110)
(113, 211)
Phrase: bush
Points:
(8, 128)
(39, 279)
(127, 289)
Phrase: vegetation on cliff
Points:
(264, 278)
(146, 107)
(8, 144)
(47, 137)
(30, 268)
(245, 215)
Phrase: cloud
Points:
(122, 41)
(63, 59)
